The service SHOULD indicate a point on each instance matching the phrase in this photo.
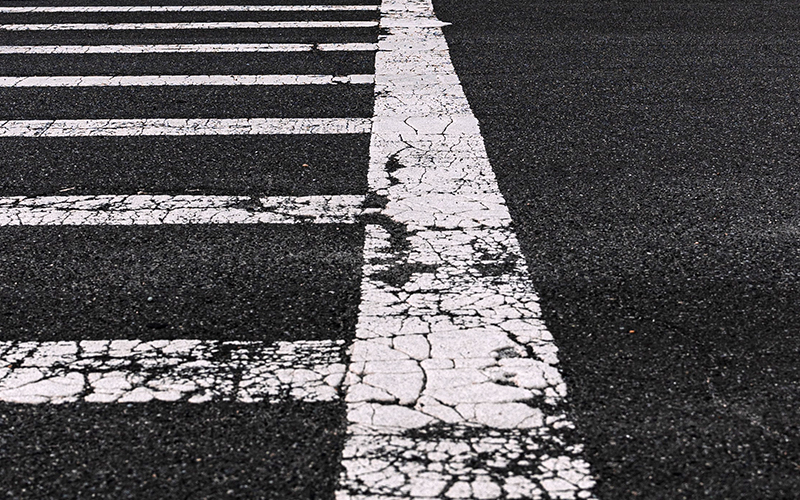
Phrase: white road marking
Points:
(197, 371)
(180, 80)
(187, 48)
(189, 26)
(453, 388)
(183, 126)
(123, 210)
(188, 8)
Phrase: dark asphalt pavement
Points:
(648, 153)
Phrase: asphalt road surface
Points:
(255, 260)
(648, 154)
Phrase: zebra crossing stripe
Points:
(453, 389)
(181, 80)
(187, 48)
(183, 127)
(196, 371)
(187, 8)
(124, 210)
(190, 25)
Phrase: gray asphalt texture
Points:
(167, 450)
(648, 153)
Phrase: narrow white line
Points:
(453, 389)
(186, 48)
(189, 8)
(183, 126)
(189, 26)
(180, 80)
(124, 210)
(197, 371)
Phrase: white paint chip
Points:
(183, 127)
(134, 371)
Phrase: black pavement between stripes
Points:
(149, 37)
(242, 101)
(228, 282)
(648, 152)
(264, 63)
(182, 17)
(279, 165)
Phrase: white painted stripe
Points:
(180, 80)
(190, 25)
(188, 8)
(183, 126)
(197, 371)
(123, 210)
(186, 48)
(453, 389)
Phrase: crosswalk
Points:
(334, 239)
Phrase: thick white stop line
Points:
(453, 389)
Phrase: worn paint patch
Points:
(182, 126)
(134, 371)
(123, 210)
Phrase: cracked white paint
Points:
(187, 48)
(181, 80)
(226, 25)
(187, 8)
(94, 210)
(182, 126)
(453, 389)
(135, 371)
